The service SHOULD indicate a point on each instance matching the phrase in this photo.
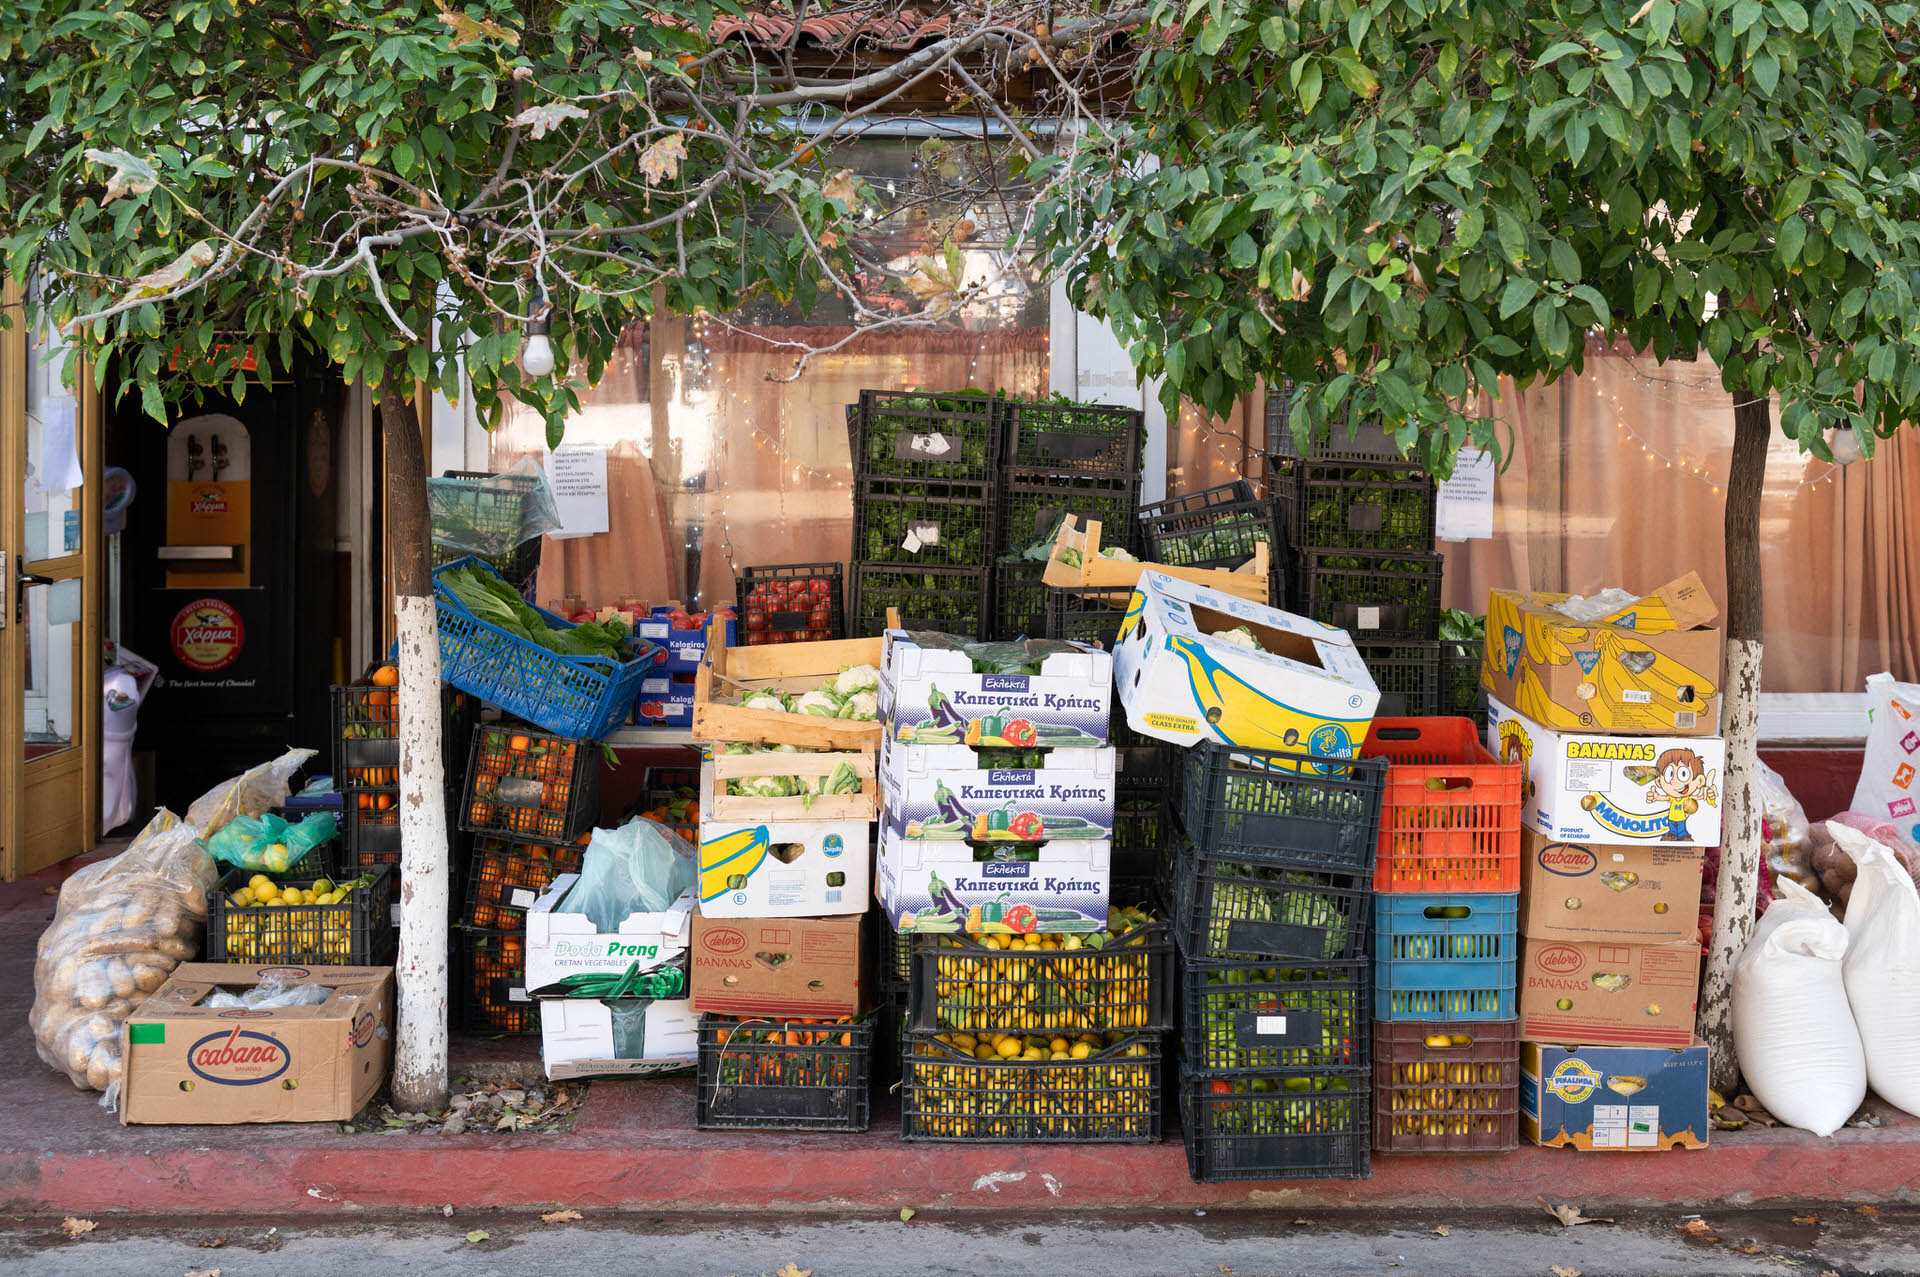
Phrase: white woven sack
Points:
(1883, 967)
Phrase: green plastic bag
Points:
(268, 843)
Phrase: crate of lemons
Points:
(313, 921)
(1054, 986)
(1442, 1097)
(1001, 1086)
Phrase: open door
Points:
(50, 653)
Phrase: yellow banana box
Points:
(1193, 664)
(1650, 667)
(1614, 1098)
(1608, 790)
(785, 868)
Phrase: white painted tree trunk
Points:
(1740, 849)
(420, 1053)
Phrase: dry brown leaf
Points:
(1640, 13)
(662, 160)
(840, 187)
(178, 271)
(131, 174)
(1869, 1210)
(560, 1216)
(1569, 1215)
(1806, 1221)
(1441, 1230)
(1299, 1222)
(466, 30)
(213, 1243)
(548, 115)
(1561, 1270)
(793, 1270)
(1698, 1228)
(73, 1226)
(1225, 1269)
(1748, 1248)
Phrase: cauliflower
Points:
(862, 705)
(857, 678)
(776, 701)
(1241, 636)
(823, 703)
(1117, 552)
(762, 786)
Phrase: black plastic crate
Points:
(778, 1075)
(923, 522)
(1341, 440)
(1217, 528)
(1461, 694)
(366, 725)
(965, 984)
(1231, 910)
(531, 786)
(1409, 678)
(1373, 596)
(490, 984)
(1081, 438)
(918, 434)
(491, 504)
(1278, 807)
(1248, 1127)
(1377, 506)
(1085, 615)
(1144, 762)
(670, 795)
(357, 931)
(948, 600)
(1019, 600)
(1033, 503)
(791, 603)
(1141, 827)
(948, 1094)
(892, 957)
(370, 828)
(505, 878)
(1311, 1016)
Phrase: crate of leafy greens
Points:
(1362, 505)
(922, 522)
(936, 689)
(671, 796)
(1076, 438)
(1216, 528)
(1251, 1127)
(574, 680)
(1372, 596)
(470, 508)
(1028, 1088)
(490, 984)
(505, 878)
(792, 603)
(1443, 1086)
(1445, 957)
(1408, 676)
(1019, 601)
(1033, 503)
(530, 785)
(1298, 1016)
(1228, 909)
(812, 695)
(925, 435)
(951, 600)
(1282, 807)
(1463, 640)
(783, 1075)
(1339, 437)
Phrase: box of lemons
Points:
(1250, 1127)
(1226, 909)
(1308, 1016)
(784, 1075)
(1446, 1086)
(1116, 980)
(1031, 1088)
(314, 921)
(1284, 807)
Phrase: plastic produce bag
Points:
(641, 867)
(1882, 968)
(1784, 831)
(489, 517)
(1886, 790)
(268, 842)
(1792, 1026)
(1836, 867)
(254, 792)
(119, 929)
(273, 992)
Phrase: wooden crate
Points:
(1248, 581)
(731, 672)
(718, 807)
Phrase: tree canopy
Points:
(1394, 203)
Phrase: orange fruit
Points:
(386, 676)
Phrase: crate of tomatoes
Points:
(792, 603)
(531, 786)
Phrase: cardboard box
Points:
(1611, 790)
(1608, 994)
(931, 694)
(777, 967)
(1612, 895)
(1309, 690)
(565, 949)
(785, 868)
(927, 885)
(1653, 667)
(681, 651)
(618, 1037)
(665, 700)
(1627, 1099)
(188, 1063)
(922, 787)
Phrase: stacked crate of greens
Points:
(1269, 879)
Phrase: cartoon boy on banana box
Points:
(1680, 778)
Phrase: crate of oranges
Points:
(784, 1075)
(314, 921)
(366, 760)
(490, 984)
(505, 878)
(1030, 1089)
(530, 785)
(1446, 1087)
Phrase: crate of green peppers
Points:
(932, 523)
(1362, 505)
(1217, 528)
(1019, 601)
(1033, 504)
(924, 435)
(1229, 909)
(1282, 807)
(1241, 1127)
(1299, 1016)
(949, 600)
(1374, 597)
(1080, 438)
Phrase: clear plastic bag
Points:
(489, 517)
(269, 842)
(1785, 832)
(254, 792)
(641, 867)
(275, 991)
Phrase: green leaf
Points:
(1620, 81)
(1517, 296)
(1745, 14)
(1792, 234)
(1563, 260)
(1766, 73)
(1513, 237)
(1646, 289)
(1310, 85)
(403, 158)
(1578, 132)
(1557, 51)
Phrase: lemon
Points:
(323, 885)
(1080, 1051)
(985, 1052)
(1008, 1047)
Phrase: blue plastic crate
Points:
(578, 696)
(1431, 966)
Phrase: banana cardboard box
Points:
(933, 695)
(1608, 994)
(617, 1037)
(1652, 667)
(785, 868)
(1625, 895)
(569, 957)
(952, 792)
(778, 966)
(1622, 1098)
(1007, 888)
(1612, 790)
(1187, 672)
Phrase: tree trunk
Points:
(1740, 842)
(420, 1048)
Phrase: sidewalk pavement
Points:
(633, 1147)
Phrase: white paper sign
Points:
(1465, 510)
(577, 473)
(59, 469)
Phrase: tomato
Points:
(1027, 827)
(1019, 732)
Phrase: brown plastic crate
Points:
(1462, 1098)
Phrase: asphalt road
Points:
(1839, 1241)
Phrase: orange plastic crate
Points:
(1450, 817)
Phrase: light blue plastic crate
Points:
(578, 696)
(1430, 966)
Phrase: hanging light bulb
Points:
(536, 352)
(1844, 446)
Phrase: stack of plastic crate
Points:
(1271, 898)
(1219, 528)
(1446, 1046)
(366, 764)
